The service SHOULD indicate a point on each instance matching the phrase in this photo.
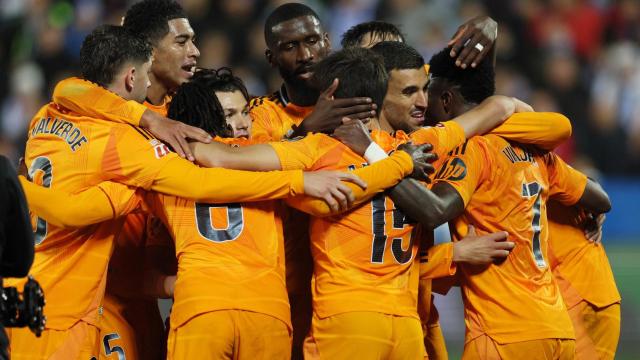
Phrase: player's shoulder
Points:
(266, 102)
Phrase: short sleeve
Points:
(464, 170)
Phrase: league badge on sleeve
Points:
(160, 148)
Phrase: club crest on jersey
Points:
(159, 148)
(453, 170)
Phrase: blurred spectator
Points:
(579, 57)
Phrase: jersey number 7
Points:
(529, 190)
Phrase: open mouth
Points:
(190, 69)
(241, 134)
(418, 117)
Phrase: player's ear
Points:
(327, 40)
(446, 97)
(130, 78)
(268, 54)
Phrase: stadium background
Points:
(578, 57)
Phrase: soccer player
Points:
(98, 149)
(129, 308)
(513, 307)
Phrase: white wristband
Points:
(374, 153)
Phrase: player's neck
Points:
(376, 124)
(299, 96)
(156, 94)
(382, 124)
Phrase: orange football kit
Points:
(514, 307)
(71, 151)
(586, 281)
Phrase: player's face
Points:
(141, 81)
(175, 55)
(236, 112)
(435, 110)
(369, 40)
(300, 43)
(405, 103)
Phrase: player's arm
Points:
(490, 113)
(260, 157)
(379, 176)
(456, 181)
(99, 203)
(546, 130)
(85, 97)
(142, 162)
(570, 187)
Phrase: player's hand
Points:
(422, 159)
(355, 135)
(174, 133)
(521, 106)
(482, 250)
(329, 186)
(593, 228)
(478, 33)
(329, 113)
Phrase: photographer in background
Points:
(16, 247)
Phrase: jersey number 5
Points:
(41, 164)
(204, 222)
(534, 190)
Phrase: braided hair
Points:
(195, 102)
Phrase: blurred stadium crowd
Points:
(577, 57)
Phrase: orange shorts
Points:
(483, 347)
(78, 342)
(597, 330)
(230, 334)
(364, 335)
(132, 328)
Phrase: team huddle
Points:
(300, 224)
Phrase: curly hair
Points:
(195, 102)
(476, 84)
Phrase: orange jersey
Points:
(505, 187)
(70, 151)
(274, 116)
(581, 267)
(363, 258)
(230, 256)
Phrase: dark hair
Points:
(476, 84)
(150, 18)
(284, 13)
(360, 71)
(106, 49)
(398, 56)
(195, 102)
(384, 30)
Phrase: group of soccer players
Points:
(306, 227)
